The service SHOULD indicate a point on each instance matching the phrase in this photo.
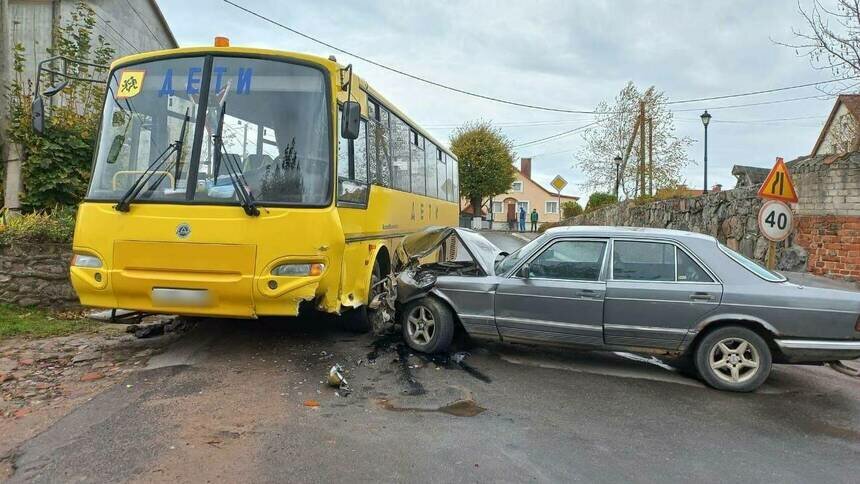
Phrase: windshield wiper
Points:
(237, 178)
(176, 163)
(124, 202)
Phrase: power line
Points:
(754, 121)
(763, 91)
(821, 97)
(406, 74)
(557, 135)
(511, 124)
(107, 23)
(516, 103)
(157, 42)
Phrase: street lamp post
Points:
(706, 118)
(617, 174)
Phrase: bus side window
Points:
(441, 173)
(456, 169)
(377, 145)
(400, 172)
(352, 187)
(416, 141)
(430, 159)
(450, 183)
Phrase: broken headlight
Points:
(425, 279)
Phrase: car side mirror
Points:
(351, 119)
(525, 271)
(37, 115)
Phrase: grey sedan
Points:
(678, 294)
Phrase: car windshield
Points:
(752, 266)
(275, 132)
(508, 263)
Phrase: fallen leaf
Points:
(92, 376)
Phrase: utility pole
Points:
(9, 153)
(627, 151)
(650, 156)
(642, 147)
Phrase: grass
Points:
(16, 321)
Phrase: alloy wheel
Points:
(734, 360)
(420, 325)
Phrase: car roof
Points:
(628, 232)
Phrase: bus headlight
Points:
(304, 269)
(85, 260)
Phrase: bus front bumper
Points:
(211, 297)
(191, 279)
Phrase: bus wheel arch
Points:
(383, 258)
(363, 318)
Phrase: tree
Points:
(56, 166)
(598, 199)
(611, 134)
(486, 161)
(831, 39)
(570, 209)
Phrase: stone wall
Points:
(729, 215)
(826, 236)
(36, 274)
(827, 186)
(828, 208)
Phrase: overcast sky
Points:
(563, 54)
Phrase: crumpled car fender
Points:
(411, 287)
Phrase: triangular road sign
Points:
(778, 185)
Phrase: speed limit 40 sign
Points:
(774, 220)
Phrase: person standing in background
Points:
(522, 219)
(534, 219)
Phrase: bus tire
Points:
(363, 319)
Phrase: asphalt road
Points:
(227, 402)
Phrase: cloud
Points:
(562, 54)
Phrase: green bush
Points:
(55, 167)
(570, 209)
(57, 226)
(548, 225)
(598, 199)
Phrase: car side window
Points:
(570, 260)
(689, 270)
(643, 261)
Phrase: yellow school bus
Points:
(240, 182)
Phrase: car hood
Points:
(421, 244)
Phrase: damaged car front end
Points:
(438, 269)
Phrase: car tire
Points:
(428, 325)
(733, 358)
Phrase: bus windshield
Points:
(275, 132)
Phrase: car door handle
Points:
(701, 296)
(590, 293)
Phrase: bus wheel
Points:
(364, 319)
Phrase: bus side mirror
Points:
(37, 115)
(351, 119)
